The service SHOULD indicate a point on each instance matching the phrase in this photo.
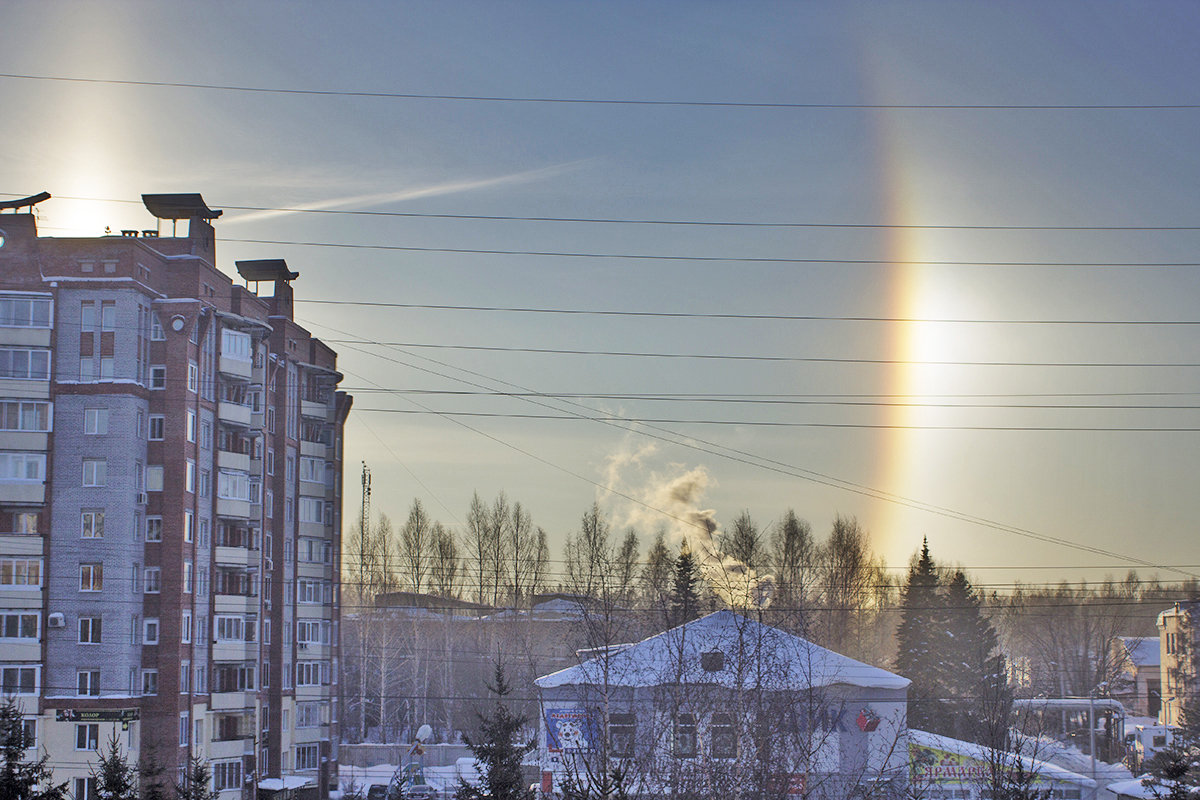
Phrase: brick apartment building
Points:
(170, 505)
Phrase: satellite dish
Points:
(424, 733)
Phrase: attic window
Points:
(712, 661)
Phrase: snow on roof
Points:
(675, 655)
(1134, 788)
(1143, 650)
(981, 753)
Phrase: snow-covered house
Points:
(723, 703)
(1139, 683)
(951, 769)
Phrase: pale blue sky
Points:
(1129, 492)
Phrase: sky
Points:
(871, 202)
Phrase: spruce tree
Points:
(21, 779)
(198, 785)
(971, 668)
(499, 751)
(115, 778)
(920, 642)
(685, 589)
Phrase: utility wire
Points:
(713, 259)
(793, 359)
(643, 221)
(614, 101)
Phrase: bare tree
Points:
(539, 566)
(657, 571)
(793, 559)
(588, 555)
(445, 568)
(745, 542)
(625, 566)
(498, 522)
(478, 546)
(416, 546)
(522, 542)
(851, 576)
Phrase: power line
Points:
(783, 317)
(779, 424)
(714, 259)
(615, 101)
(791, 359)
(644, 221)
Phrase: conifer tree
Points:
(115, 778)
(199, 784)
(21, 779)
(971, 669)
(685, 589)
(920, 642)
(500, 751)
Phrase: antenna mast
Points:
(364, 534)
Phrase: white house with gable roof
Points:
(723, 705)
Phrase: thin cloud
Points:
(412, 193)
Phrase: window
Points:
(19, 625)
(25, 522)
(108, 312)
(87, 315)
(201, 682)
(723, 736)
(227, 775)
(235, 345)
(153, 580)
(153, 529)
(29, 733)
(191, 425)
(91, 577)
(193, 376)
(95, 421)
(185, 727)
(189, 525)
(87, 369)
(154, 478)
(95, 471)
(87, 683)
(621, 730)
(313, 631)
(158, 377)
(89, 630)
(157, 334)
(205, 483)
(312, 469)
(19, 467)
(150, 631)
(25, 312)
(24, 363)
(312, 673)
(149, 681)
(308, 715)
(85, 788)
(87, 737)
(233, 485)
(92, 522)
(18, 680)
(25, 415)
(185, 628)
(685, 736)
(106, 368)
(158, 424)
(20, 573)
(312, 509)
(204, 522)
(187, 577)
(206, 435)
(270, 461)
(306, 756)
(230, 628)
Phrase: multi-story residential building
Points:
(170, 505)
(1179, 659)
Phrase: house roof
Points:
(1143, 650)
(745, 646)
(979, 752)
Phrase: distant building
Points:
(1179, 652)
(724, 701)
(951, 769)
(1139, 682)
(170, 505)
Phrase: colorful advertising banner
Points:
(570, 729)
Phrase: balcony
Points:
(236, 367)
(233, 509)
(229, 727)
(234, 461)
(234, 413)
(313, 408)
(23, 492)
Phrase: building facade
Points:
(1179, 657)
(170, 505)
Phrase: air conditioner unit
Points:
(142, 498)
(56, 620)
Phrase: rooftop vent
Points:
(712, 661)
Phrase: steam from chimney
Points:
(680, 495)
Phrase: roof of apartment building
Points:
(723, 649)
